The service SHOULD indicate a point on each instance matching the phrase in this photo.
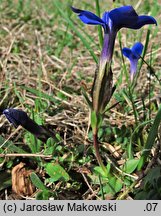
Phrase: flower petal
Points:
(15, 117)
(127, 17)
(137, 49)
(143, 20)
(123, 16)
(108, 24)
(88, 17)
(133, 68)
(127, 52)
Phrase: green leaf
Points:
(96, 120)
(127, 181)
(37, 182)
(50, 146)
(10, 146)
(114, 186)
(99, 171)
(43, 195)
(56, 172)
(150, 140)
(108, 167)
(86, 98)
(99, 119)
(130, 165)
(118, 185)
(93, 120)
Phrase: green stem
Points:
(133, 107)
(96, 147)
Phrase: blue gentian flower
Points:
(18, 117)
(112, 21)
(133, 55)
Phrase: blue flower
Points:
(133, 55)
(112, 21)
(117, 18)
(18, 117)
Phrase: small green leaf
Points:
(61, 95)
(86, 98)
(127, 181)
(56, 172)
(130, 165)
(96, 120)
(113, 186)
(108, 167)
(11, 147)
(50, 142)
(43, 195)
(99, 171)
(93, 120)
(118, 185)
(37, 182)
(99, 120)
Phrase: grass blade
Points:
(99, 27)
(37, 182)
(74, 28)
(151, 139)
(145, 47)
(9, 145)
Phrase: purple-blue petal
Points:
(88, 17)
(15, 116)
(133, 55)
(108, 24)
(143, 20)
(127, 17)
(127, 52)
(123, 17)
(105, 17)
(137, 49)
(133, 68)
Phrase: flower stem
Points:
(133, 107)
(99, 159)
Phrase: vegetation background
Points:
(46, 56)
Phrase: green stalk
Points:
(133, 107)
(96, 147)
(123, 61)
(145, 47)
